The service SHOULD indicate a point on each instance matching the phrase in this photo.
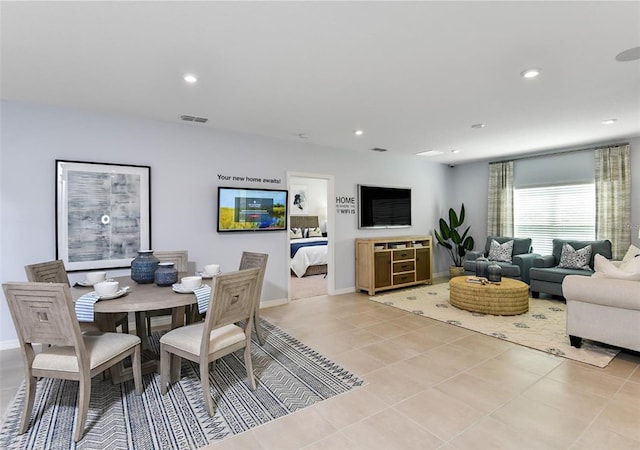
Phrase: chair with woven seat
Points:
(43, 313)
(55, 272)
(180, 260)
(250, 260)
(231, 302)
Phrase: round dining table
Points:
(139, 299)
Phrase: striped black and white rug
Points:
(289, 376)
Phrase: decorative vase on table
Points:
(166, 274)
(482, 267)
(144, 266)
(494, 273)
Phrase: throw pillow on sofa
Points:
(571, 258)
(631, 253)
(628, 271)
(500, 252)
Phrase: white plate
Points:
(204, 275)
(119, 293)
(85, 283)
(183, 290)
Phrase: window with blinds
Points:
(545, 213)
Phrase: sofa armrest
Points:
(473, 255)
(544, 261)
(525, 262)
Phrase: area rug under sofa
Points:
(543, 327)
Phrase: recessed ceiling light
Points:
(608, 121)
(358, 132)
(530, 73)
(430, 153)
(190, 78)
(477, 125)
(455, 151)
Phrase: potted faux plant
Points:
(456, 244)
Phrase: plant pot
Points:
(455, 271)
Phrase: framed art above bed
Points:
(309, 251)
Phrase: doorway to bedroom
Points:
(309, 236)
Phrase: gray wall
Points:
(469, 182)
(185, 163)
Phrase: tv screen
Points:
(247, 209)
(383, 207)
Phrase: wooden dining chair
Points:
(232, 301)
(250, 260)
(43, 313)
(55, 272)
(180, 260)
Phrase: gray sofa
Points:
(545, 275)
(521, 258)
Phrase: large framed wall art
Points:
(103, 214)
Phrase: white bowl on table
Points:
(191, 283)
(212, 269)
(95, 277)
(106, 288)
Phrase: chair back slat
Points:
(43, 313)
(47, 272)
(250, 260)
(180, 259)
(232, 296)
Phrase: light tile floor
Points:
(433, 385)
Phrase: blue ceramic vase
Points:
(144, 266)
(166, 274)
(482, 267)
(495, 273)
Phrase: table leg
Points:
(141, 329)
(177, 320)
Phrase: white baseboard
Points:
(350, 290)
(7, 345)
(272, 303)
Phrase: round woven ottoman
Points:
(509, 298)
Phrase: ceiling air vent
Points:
(188, 118)
(378, 149)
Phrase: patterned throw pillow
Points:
(500, 252)
(315, 232)
(571, 258)
(295, 233)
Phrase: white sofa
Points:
(603, 309)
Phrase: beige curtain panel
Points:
(613, 197)
(500, 201)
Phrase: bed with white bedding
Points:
(308, 247)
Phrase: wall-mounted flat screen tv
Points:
(248, 209)
(383, 207)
